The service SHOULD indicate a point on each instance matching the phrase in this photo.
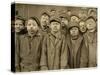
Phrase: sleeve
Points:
(43, 59)
(84, 56)
(64, 55)
(17, 58)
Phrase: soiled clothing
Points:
(30, 50)
(91, 43)
(17, 57)
(54, 52)
(17, 45)
(78, 53)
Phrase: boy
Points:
(19, 25)
(74, 18)
(54, 54)
(82, 26)
(78, 53)
(18, 31)
(93, 13)
(91, 40)
(53, 13)
(45, 19)
(30, 46)
(64, 23)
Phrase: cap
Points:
(55, 20)
(73, 24)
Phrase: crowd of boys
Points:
(55, 42)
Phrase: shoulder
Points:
(22, 36)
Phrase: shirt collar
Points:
(58, 35)
(36, 34)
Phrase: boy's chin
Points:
(83, 30)
(32, 32)
(17, 31)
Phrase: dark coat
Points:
(54, 52)
(30, 50)
(78, 55)
(91, 43)
(17, 51)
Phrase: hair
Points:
(81, 21)
(72, 27)
(23, 31)
(54, 21)
(90, 17)
(65, 18)
(36, 19)
(68, 10)
(46, 14)
(76, 16)
(92, 11)
(20, 18)
(52, 10)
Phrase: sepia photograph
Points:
(53, 37)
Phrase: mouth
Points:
(54, 28)
(17, 30)
(32, 31)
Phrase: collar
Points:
(57, 35)
(37, 34)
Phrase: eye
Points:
(21, 24)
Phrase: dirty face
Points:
(94, 14)
(19, 25)
(32, 26)
(44, 21)
(69, 13)
(90, 24)
(82, 26)
(64, 22)
(82, 14)
(74, 19)
(55, 26)
(53, 12)
(74, 31)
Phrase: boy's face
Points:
(32, 26)
(82, 26)
(64, 21)
(74, 31)
(74, 19)
(55, 26)
(91, 24)
(82, 14)
(53, 13)
(69, 13)
(44, 20)
(19, 25)
(93, 13)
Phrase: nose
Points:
(73, 31)
(31, 27)
(55, 25)
(89, 24)
(17, 25)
